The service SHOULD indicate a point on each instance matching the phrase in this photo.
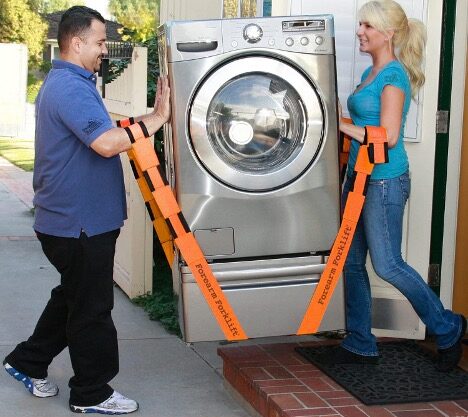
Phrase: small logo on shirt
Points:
(391, 78)
(92, 126)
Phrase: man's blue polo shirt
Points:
(76, 189)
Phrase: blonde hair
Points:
(409, 36)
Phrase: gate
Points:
(125, 96)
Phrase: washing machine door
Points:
(256, 124)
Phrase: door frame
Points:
(454, 153)
(442, 141)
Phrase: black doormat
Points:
(405, 373)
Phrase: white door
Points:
(392, 313)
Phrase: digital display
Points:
(303, 25)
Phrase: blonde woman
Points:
(395, 44)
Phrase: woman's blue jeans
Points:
(379, 231)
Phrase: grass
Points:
(19, 152)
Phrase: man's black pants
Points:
(78, 315)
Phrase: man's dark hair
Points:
(75, 22)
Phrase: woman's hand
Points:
(340, 112)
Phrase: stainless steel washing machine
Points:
(252, 155)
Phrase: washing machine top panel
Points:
(256, 123)
(187, 40)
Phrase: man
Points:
(79, 209)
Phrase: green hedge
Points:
(34, 84)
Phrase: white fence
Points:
(13, 82)
(125, 97)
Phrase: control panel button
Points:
(289, 41)
(234, 44)
(271, 42)
(304, 41)
(253, 33)
(319, 40)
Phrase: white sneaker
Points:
(41, 388)
(115, 404)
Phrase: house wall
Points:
(190, 10)
(47, 54)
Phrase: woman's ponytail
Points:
(409, 48)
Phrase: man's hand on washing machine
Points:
(162, 105)
(161, 112)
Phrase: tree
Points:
(36, 5)
(139, 17)
(50, 6)
(20, 24)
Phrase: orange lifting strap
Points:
(374, 150)
(159, 223)
(164, 209)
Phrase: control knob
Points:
(253, 33)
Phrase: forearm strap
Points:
(134, 130)
(125, 122)
(376, 139)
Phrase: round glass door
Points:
(256, 122)
(252, 129)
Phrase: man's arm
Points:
(116, 140)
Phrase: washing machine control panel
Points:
(189, 40)
(305, 34)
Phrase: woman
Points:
(383, 97)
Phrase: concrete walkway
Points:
(166, 376)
